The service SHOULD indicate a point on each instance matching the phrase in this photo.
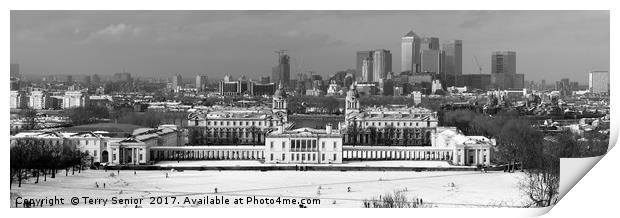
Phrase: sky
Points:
(549, 44)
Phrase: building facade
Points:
(73, 99)
(201, 83)
(410, 52)
(598, 81)
(382, 64)
(304, 146)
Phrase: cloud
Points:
(115, 32)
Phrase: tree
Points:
(29, 117)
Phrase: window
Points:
(283, 156)
(334, 145)
(283, 145)
(86, 142)
(323, 145)
(334, 157)
(95, 153)
(271, 156)
(140, 156)
(113, 157)
(271, 144)
(313, 157)
(323, 157)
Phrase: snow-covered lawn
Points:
(471, 189)
(346, 163)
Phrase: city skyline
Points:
(216, 43)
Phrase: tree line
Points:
(36, 157)
(521, 146)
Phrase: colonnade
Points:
(206, 154)
(353, 153)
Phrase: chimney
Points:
(281, 128)
(328, 128)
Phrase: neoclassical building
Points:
(387, 125)
(222, 125)
(304, 145)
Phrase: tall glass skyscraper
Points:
(282, 72)
(410, 52)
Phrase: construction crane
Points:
(478, 63)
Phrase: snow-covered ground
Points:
(347, 163)
(471, 189)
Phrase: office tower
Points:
(87, 80)
(430, 60)
(177, 82)
(410, 52)
(429, 43)
(504, 71)
(543, 85)
(382, 64)
(359, 58)
(282, 72)
(201, 83)
(598, 82)
(15, 70)
(504, 62)
(454, 57)
(367, 68)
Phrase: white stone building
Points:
(303, 146)
(74, 99)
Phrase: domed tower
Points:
(280, 104)
(352, 102)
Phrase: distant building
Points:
(359, 62)
(281, 73)
(430, 61)
(382, 64)
(201, 82)
(39, 100)
(239, 87)
(177, 82)
(598, 82)
(73, 99)
(429, 43)
(15, 73)
(410, 52)
(504, 71)
(452, 62)
(367, 70)
(122, 77)
(475, 81)
(265, 79)
(18, 99)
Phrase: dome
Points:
(279, 92)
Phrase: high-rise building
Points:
(598, 82)
(177, 82)
(265, 79)
(543, 85)
(429, 43)
(201, 82)
(454, 57)
(410, 52)
(430, 61)
(367, 68)
(504, 71)
(504, 62)
(282, 72)
(15, 70)
(18, 99)
(359, 59)
(382, 64)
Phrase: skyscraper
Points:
(454, 57)
(367, 68)
(410, 52)
(282, 72)
(382, 64)
(504, 62)
(430, 61)
(177, 82)
(429, 43)
(598, 82)
(359, 58)
(504, 71)
(201, 82)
